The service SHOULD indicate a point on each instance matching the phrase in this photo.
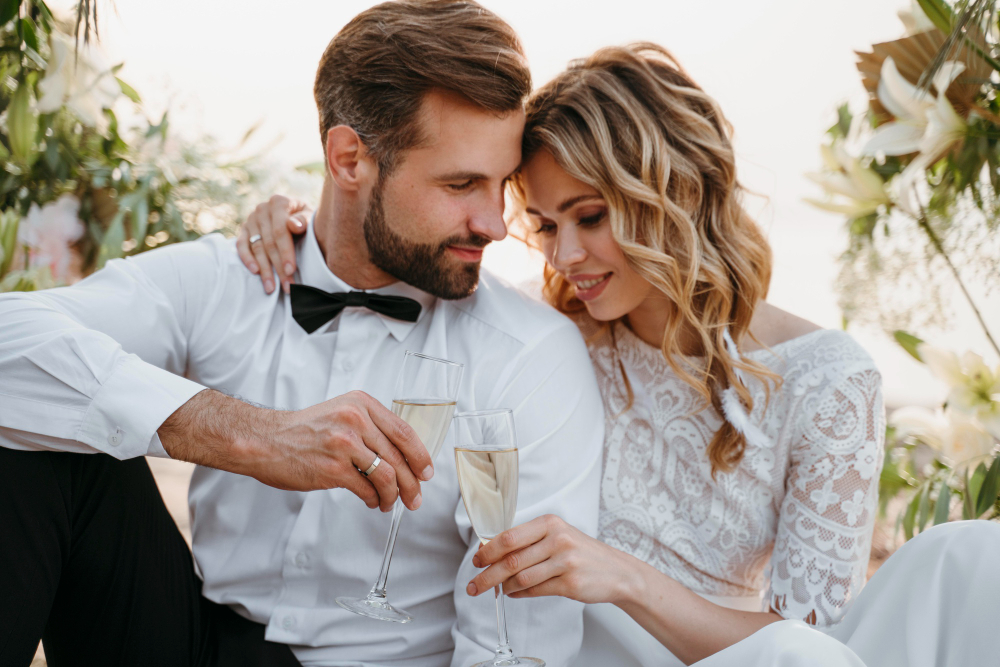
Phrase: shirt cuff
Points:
(131, 405)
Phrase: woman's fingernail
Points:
(427, 473)
(268, 286)
(288, 269)
(471, 589)
(254, 268)
(417, 501)
(298, 223)
(475, 561)
(287, 287)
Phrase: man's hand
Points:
(321, 447)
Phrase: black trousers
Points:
(92, 564)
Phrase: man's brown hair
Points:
(376, 71)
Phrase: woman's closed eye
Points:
(593, 219)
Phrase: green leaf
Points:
(22, 123)
(991, 486)
(28, 30)
(910, 517)
(943, 504)
(128, 91)
(111, 244)
(967, 504)
(140, 218)
(924, 507)
(312, 168)
(8, 10)
(908, 342)
(939, 13)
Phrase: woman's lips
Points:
(467, 254)
(593, 290)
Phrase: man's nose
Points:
(488, 219)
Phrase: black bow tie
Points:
(312, 308)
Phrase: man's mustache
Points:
(474, 241)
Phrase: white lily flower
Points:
(852, 188)
(958, 436)
(974, 389)
(914, 19)
(48, 232)
(925, 123)
(81, 80)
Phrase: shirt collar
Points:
(314, 271)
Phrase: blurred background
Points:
(227, 118)
(779, 68)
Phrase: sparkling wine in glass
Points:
(486, 459)
(425, 397)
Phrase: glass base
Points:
(375, 607)
(508, 662)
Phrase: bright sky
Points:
(779, 68)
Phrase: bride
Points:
(743, 444)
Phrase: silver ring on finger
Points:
(254, 239)
(373, 466)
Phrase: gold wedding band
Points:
(254, 238)
(372, 467)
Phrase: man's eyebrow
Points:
(566, 205)
(462, 176)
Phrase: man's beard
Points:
(423, 265)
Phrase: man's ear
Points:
(347, 159)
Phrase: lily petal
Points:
(946, 74)
(942, 363)
(895, 138)
(903, 100)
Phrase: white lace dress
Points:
(790, 528)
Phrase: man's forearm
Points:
(216, 431)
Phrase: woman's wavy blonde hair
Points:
(629, 122)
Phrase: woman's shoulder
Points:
(799, 347)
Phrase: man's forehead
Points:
(449, 121)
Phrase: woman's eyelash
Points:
(592, 219)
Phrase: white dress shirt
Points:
(97, 367)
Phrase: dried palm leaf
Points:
(913, 56)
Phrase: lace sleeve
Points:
(823, 540)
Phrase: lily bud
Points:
(22, 124)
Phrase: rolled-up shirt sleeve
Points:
(98, 366)
(560, 430)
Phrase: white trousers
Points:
(934, 603)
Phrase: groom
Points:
(420, 107)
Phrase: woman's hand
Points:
(275, 222)
(547, 556)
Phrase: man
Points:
(420, 106)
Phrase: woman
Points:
(743, 444)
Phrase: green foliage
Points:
(908, 342)
(138, 185)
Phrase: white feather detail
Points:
(733, 408)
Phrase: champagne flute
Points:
(425, 397)
(486, 459)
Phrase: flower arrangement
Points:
(85, 176)
(917, 175)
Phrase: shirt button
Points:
(288, 622)
(115, 438)
(301, 559)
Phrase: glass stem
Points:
(378, 590)
(503, 646)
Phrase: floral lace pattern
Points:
(794, 519)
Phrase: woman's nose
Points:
(568, 251)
